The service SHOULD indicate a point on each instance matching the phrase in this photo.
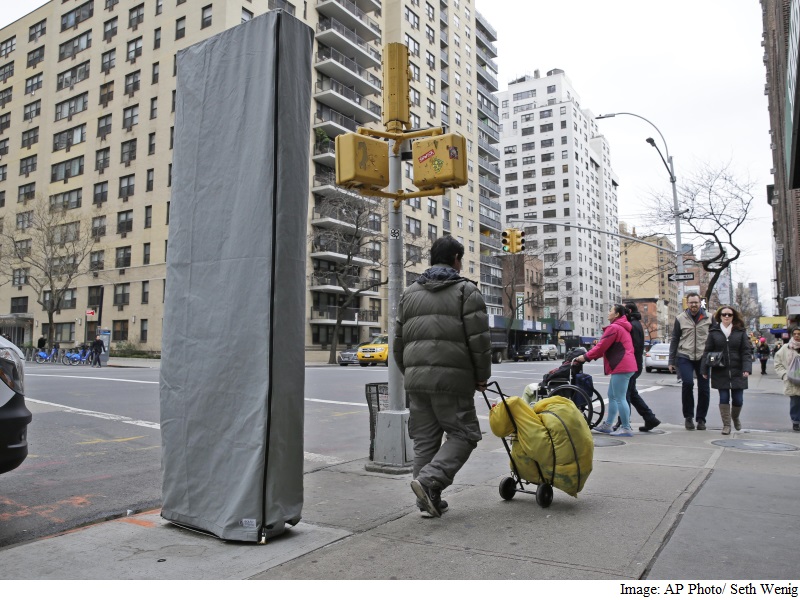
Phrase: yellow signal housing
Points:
(396, 80)
(519, 240)
(440, 161)
(361, 162)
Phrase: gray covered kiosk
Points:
(232, 367)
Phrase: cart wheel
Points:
(544, 495)
(598, 409)
(508, 487)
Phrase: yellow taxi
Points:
(377, 351)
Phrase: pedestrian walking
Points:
(731, 365)
(616, 349)
(763, 354)
(686, 346)
(633, 397)
(98, 347)
(442, 347)
(788, 353)
(42, 343)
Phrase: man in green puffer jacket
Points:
(442, 347)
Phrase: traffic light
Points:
(361, 161)
(440, 161)
(508, 240)
(519, 241)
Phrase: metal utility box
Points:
(440, 161)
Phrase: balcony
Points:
(325, 153)
(282, 5)
(327, 315)
(489, 222)
(481, 36)
(443, 56)
(334, 34)
(491, 132)
(337, 66)
(489, 149)
(495, 261)
(342, 253)
(346, 100)
(491, 242)
(332, 122)
(490, 167)
(489, 202)
(489, 185)
(328, 282)
(353, 15)
(333, 217)
(486, 110)
(324, 184)
(492, 280)
(481, 20)
(487, 77)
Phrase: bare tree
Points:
(715, 204)
(358, 236)
(748, 306)
(48, 249)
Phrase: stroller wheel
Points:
(544, 495)
(508, 487)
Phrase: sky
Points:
(693, 68)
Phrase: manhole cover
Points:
(602, 440)
(756, 445)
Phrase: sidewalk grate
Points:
(756, 445)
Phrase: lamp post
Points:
(671, 170)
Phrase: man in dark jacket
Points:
(98, 347)
(443, 349)
(633, 397)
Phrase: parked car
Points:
(349, 356)
(528, 353)
(657, 357)
(14, 415)
(374, 352)
(549, 351)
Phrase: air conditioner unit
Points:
(100, 170)
(124, 234)
(103, 138)
(95, 274)
(122, 271)
(129, 128)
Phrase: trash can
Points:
(377, 400)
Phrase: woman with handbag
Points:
(728, 356)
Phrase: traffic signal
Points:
(361, 161)
(440, 161)
(508, 236)
(519, 241)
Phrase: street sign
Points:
(89, 313)
(681, 276)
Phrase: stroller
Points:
(569, 380)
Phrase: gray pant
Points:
(431, 416)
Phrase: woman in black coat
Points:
(728, 335)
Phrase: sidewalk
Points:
(665, 505)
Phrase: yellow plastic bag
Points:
(552, 432)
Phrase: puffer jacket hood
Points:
(438, 277)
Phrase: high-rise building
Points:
(558, 183)
(97, 78)
(781, 43)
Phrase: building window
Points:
(38, 30)
(146, 254)
(119, 332)
(75, 46)
(143, 330)
(76, 16)
(26, 192)
(19, 305)
(123, 257)
(106, 93)
(205, 17)
(100, 192)
(35, 57)
(98, 227)
(29, 112)
(27, 165)
(125, 221)
(157, 38)
(130, 117)
(33, 83)
(246, 15)
(148, 217)
(64, 170)
(145, 292)
(136, 16)
(126, 186)
(96, 263)
(128, 151)
(155, 73)
(67, 200)
(134, 49)
(102, 159)
(151, 143)
(180, 28)
(20, 277)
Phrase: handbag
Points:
(716, 360)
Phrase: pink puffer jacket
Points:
(616, 348)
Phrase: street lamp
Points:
(671, 170)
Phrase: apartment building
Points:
(97, 78)
(559, 185)
(645, 271)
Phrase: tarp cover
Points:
(232, 366)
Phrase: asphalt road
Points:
(95, 446)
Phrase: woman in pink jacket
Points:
(619, 361)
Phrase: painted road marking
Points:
(651, 389)
(98, 378)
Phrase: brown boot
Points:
(735, 412)
(725, 413)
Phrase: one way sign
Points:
(681, 276)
